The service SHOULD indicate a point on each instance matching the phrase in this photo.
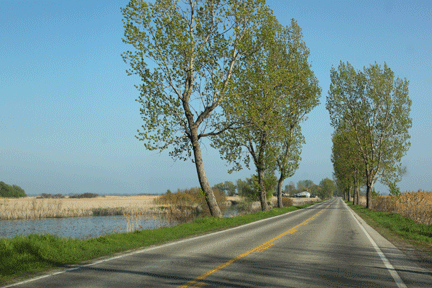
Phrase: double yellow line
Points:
(196, 282)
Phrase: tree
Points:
(327, 188)
(13, 191)
(276, 88)
(228, 188)
(347, 162)
(315, 190)
(289, 158)
(185, 55)
(301, 88)
(290, 188)
(375, 107)
(256, 108)
(251, 187)
(304, 185)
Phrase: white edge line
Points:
(153, 248)
(387, 263)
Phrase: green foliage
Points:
(328, 188)
(188, 198)
(50, 196)
(375, 194)
(229, 188)
(250, 188)
(373, 107)
(85, 195)
(290, 188)
(184, 54)
(315, 190)
(13, 191)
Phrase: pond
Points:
(86, 227)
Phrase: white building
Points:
(303, 194)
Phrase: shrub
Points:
(286, 201)
(49, 196)
(13, 191)
(85, 195)
(190, 201)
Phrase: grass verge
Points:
(23, 255)
(396, 224)
(412, 238)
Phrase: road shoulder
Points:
(410, 260)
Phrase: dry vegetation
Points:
(186, 204)
(414, 205)
(32, 208)
(180, 206)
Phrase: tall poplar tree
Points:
(376, 109)
(184, 53)
(275, 89)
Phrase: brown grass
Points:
(414, 205)
(32, 208)
(186, 204)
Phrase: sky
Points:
(68, 115)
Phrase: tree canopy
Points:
(374, 108)
(12, 191)
(274, 91)
(185, 54)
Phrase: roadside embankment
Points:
(23, 255)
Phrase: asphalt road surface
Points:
(325, 245)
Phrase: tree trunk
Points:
(369, 188)
(202, 178)
(356, 193)
(262, 194)
(279, 192)
(349, 194)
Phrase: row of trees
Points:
(226, 71)
(250, 187)
(12, 191)
(325, 189)
(369, 110)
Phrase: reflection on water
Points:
(86, 227)
(78, 227)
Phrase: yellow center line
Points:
(262, 246)
(200, 284)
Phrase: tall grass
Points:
(186, 204)
(416, 206)
(398, 224)
(33, 208)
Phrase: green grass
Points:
(397, 224)
(23, 255)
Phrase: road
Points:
(325, 245)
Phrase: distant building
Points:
(303, 194)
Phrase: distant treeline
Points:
(13, 191)
(46, 195)
(85, 195)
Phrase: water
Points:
(85, 227)
(77, 227)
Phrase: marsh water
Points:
(86, 227)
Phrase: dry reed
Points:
(32, 208)
(414, 205)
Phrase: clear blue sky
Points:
(68, 116)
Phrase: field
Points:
(32, 208)
(414, 205)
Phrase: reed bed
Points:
(32, 208)
(414, 205)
